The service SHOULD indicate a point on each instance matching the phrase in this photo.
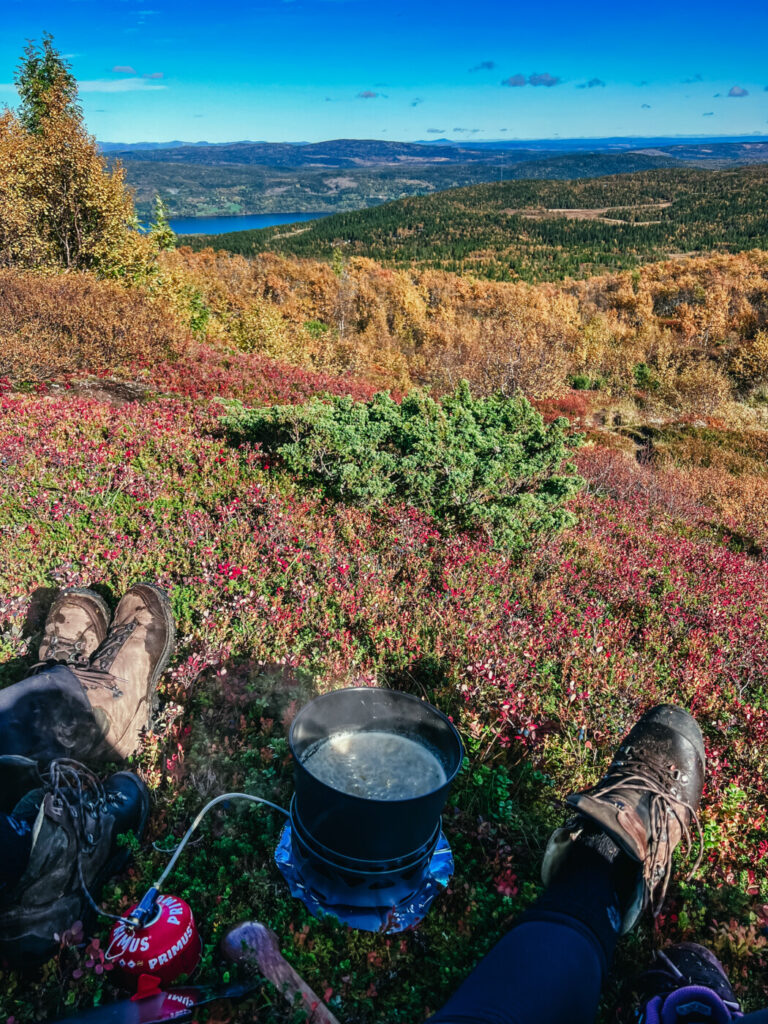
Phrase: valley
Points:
(540, 230)
(250, 178)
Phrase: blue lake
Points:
(220, 225)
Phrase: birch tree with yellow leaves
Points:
(61, 205)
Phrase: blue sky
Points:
(290, 70)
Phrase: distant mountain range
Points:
(617, 143)
(335, 153)
(396, 149)
(201, 179)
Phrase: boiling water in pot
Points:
(375, 765)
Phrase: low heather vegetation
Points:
(658, 592)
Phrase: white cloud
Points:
(119, 85)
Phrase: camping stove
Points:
(375, 864)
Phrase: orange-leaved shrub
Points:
(57, 324)
(688, 334)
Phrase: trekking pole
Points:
(253, 944)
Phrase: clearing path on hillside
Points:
(594, 213)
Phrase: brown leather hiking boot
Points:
(123, 672)
(646, 802)
(76, 625)
(75, 822)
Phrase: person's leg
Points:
(514, 984)
(602, 869)
(91, 695)
(89, 698)
(48, 716)
(568, 937)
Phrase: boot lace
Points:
(660, 783)
(96, 673)
(75, 787)
(109, 649)
(681, 980)
(92, 678)
(79, 790)
(66, 648)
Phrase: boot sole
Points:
(170, 643)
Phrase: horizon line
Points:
(756, 135)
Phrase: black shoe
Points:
(126, 798)
(678, 967)
(646, 802)
(76, 822)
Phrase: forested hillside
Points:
(215, 189)
(540, 230)
(210, 190)
(340, 176)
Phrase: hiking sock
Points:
(594, 885)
